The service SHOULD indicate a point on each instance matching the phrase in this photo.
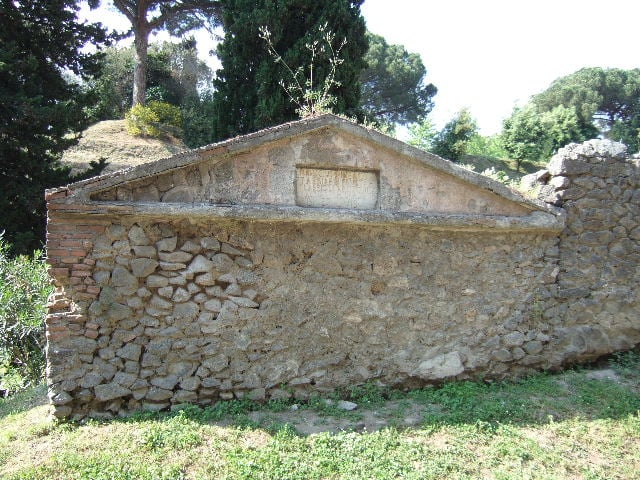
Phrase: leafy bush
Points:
(24, 288)
(154, 119)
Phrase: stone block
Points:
(110, 391)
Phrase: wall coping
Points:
(550, 221)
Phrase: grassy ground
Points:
(481, 164)
(581, 424)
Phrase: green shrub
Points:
(154, 119)
(24, 288)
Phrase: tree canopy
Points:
(39, 107)
(606, 101)
(175, 75)
(393, 84)
(451, 142)
(145, 16)
(248, 94)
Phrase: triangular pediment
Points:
(321, 162)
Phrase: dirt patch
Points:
(605, 374)
(398, 414)
(110, 140)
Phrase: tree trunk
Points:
(141, 42)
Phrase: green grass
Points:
(548, 426)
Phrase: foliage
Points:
(393, 84)
(248, 95)
(522, 135)
(39, 109)
(422, 134)
(490, 147)
(606, 101)
(175, 75)
(197, 114)
(451, 142)
(529, 134)
(311, 99)
(24, 288)
(154, 119)
(146, 16)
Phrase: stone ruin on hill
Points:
(319, 254)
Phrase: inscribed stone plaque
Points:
(335, 188)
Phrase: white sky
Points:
(493, 54)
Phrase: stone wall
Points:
(154, 311)
(595, 308)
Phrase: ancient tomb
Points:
(302, 258)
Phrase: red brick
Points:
(82, 266)
(93, 334)
(89, 261)
(58, 272)
(92, 290)
(53, 195)
(80, 273)
(70, 260)
(87, 297)
(75, 280)
(74, 243)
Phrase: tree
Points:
(175, 75)
(422, 134)
(39, 108)
(145, 16)
(393, 85)
(248, 94)
(602, 98)
(523, 135)
(451, 142)
(529, 134)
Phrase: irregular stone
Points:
(147, 251)
(200, 264)
(191, 247)
(130, 351)
(156, 394)
(166, 292)
(175, 257)
(190, 383)
(217, 363)
(533, 347)
(172, 266)
(167, 244)
(166, 383)
(229, 250)
(345, 405)
(513, 339)
(120, 277)
(143, 267)
(233, 290)
(160, 303)
(206, 279)
(186, 311)
(213, 305)
(210, 243)
(110, 391)
(157, 281)
(180, 295)
(222, 263)
(61, 398)
(137, 236)
(440, 366)
(244, 302)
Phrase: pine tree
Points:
(248, 92)
(39, 108)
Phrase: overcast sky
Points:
(493, 54)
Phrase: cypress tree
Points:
(248, 93)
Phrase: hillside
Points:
(110, 139)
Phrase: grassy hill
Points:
(109, 139)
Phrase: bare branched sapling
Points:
(311, 99)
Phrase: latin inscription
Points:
(334, 188)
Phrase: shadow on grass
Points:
(24, 400)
